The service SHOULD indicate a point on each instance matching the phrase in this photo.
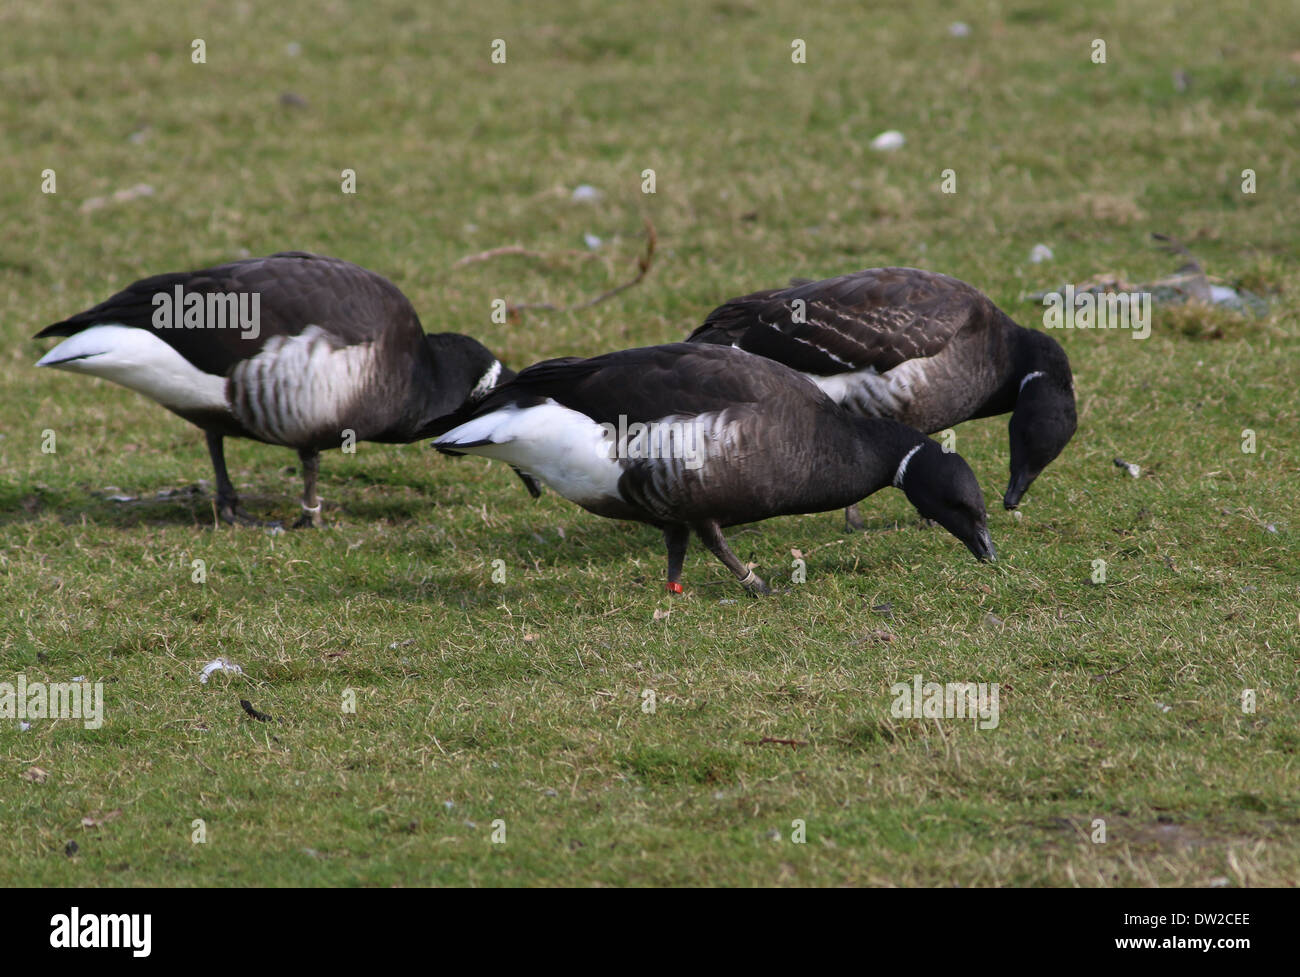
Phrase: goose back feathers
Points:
(916, 346)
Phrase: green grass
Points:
(522, 701)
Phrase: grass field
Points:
(522, 701)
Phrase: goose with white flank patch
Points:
(689, 437)
(295, 349)
(915, 346)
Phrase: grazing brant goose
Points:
(689, 437)
(295, 349)
(917, 346)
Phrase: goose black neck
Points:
(1037, 352)
(447, 369)
(876, 452)
(1028, 351)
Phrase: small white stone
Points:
(134, 192)
(593, 243)
(888, 141)
(959, 29)
(586, 192)
(1040, 253)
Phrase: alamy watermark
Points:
(179, 309)
(1098, 310)
(129, 931)
(952, 700)
(53, 700)
(683, 439)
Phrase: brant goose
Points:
(689, 437)
(295, 349)
(917, 346)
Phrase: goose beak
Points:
(983, 547)
(1016, 489)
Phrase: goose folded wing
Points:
(642, 385)
(877, 318)
(296, 290)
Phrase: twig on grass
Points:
(261, 717)
(643, 268)
(523, 252)
(779, 742)
(1114, 671)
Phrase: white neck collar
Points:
(902, 465)
(1031, 376)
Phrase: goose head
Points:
(1041, 426)
(943, 488)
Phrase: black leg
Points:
(311, 516)
(853, 519)
(530, 483)
(228, 507)
(710, 534)
(677, 538)
(227, 500)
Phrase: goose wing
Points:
(877, 318)
(646, 384)
(296, 289)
